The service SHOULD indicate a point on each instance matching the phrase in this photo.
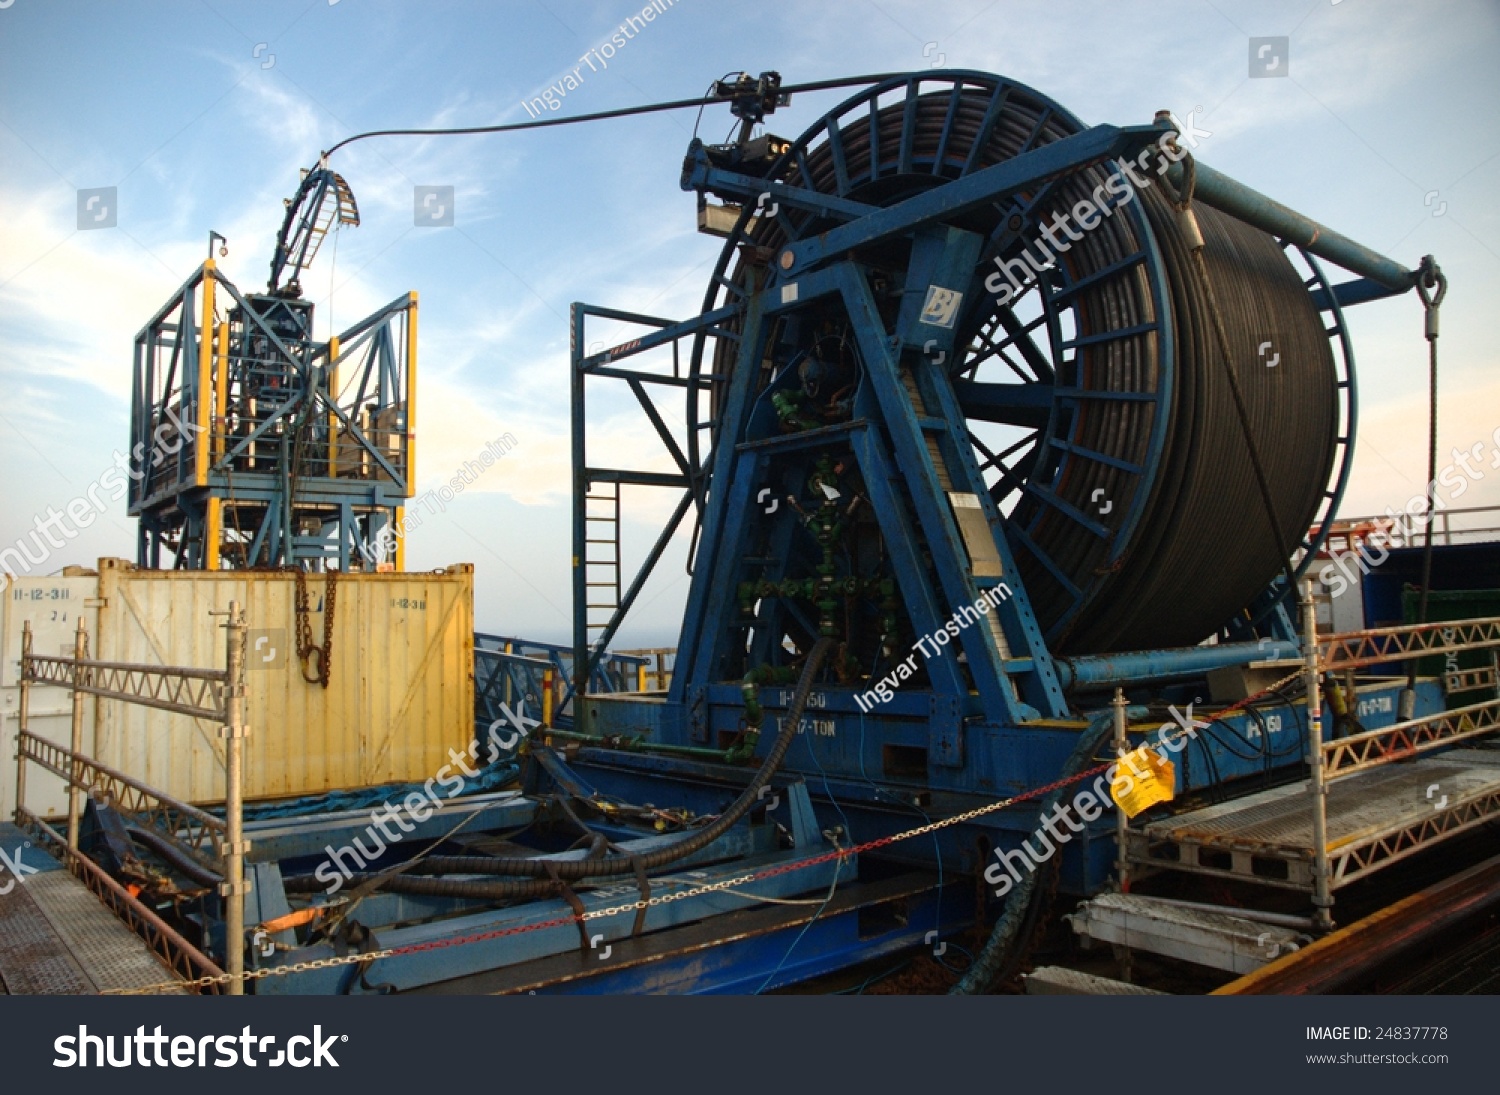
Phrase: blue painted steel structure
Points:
(1003, 714)
(252, 443)
(510, 672)
(838, 384)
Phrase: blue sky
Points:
(200, 112)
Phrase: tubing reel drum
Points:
(1097, 405)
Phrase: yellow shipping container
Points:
(400, 693)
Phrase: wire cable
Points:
(838, 868)
(604, 115)
(1431, 276)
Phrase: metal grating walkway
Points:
(1375, 817)
(57, 939)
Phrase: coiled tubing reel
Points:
(1098, 405)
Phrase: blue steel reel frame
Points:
(1059, 299)
(611, 363)
(1269, 611)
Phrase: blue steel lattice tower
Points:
(252, 444)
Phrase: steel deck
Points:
(56, 938)
(1375, 817)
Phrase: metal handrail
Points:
(179, 956)
(144, 685)
(1357, 649)
(1403, 740)
(135, 683)
(1344, 525)
(181, 822)
(191, 672)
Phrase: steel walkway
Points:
(1375, 817)
(56, 938)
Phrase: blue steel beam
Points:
(291, 838)
(882, 485)
(934, 517)
(1141, 666)
(1254, 208)
(704, 176)
(698, 634)
(972, 191)
(1347, 293)
(670, 331)
(1038, 684)
(522, 938)
(524, 941)
(759, 950)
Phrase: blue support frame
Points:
(991, 717)
(1005, 726)
(509, 672)
(445, 947)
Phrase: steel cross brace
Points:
(869, 223)
(958, 586)
(885, 401)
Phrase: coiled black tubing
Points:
(607, 866)
(1203, 547)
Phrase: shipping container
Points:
(400, 689)
(53, 606)
(1444, 605)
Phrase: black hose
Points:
(605, 115)
(432, 887)
(1012, 934)
(180, 860)
(575, 869)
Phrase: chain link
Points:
(304, 628)
(325, 660)
(305, 645)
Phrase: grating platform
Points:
(57, 939)
(1375, 817)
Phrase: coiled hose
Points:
(1203, 537)
(174, 855)
(573, 870)
(1206, 545)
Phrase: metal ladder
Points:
(601, 559)
(338, 205)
